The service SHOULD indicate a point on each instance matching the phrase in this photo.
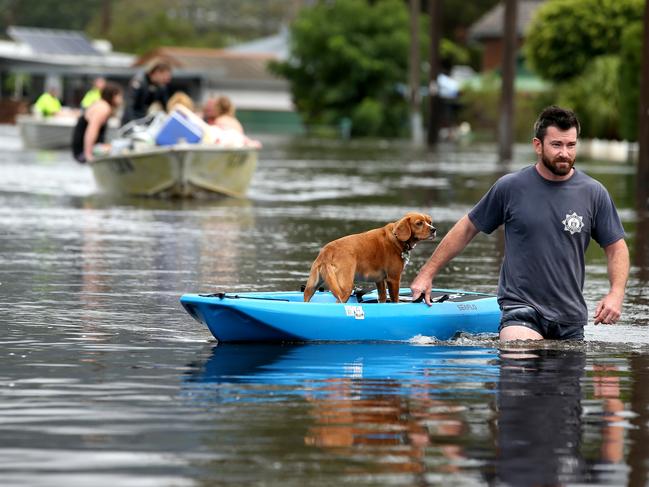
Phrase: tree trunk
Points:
(414, 78)
(434, 105)
(642, 181)
(506, 122)
(106, 16)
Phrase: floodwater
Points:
(105, 380)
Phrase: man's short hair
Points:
(159, 66)
(554, 116)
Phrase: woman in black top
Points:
(91, 126)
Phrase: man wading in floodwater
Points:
(550, 211)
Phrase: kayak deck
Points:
(284, 317)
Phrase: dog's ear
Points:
(402, 229)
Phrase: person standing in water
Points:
(550, 212)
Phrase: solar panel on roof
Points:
(51, 41)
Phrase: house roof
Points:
(491, 24)
(38, 50)
(53, 41)
(276, 45)
(240, 72)
(220, 63)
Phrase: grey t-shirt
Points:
(548, 226)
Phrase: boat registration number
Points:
(355, 311)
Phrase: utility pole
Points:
(106, 16)
(506, 121)
(434, 103)
(642, 179)
(416, 131)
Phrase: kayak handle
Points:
(441, 299)
(236, 296)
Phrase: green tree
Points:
(631, 61)
(347, 60)
(458, 16)
(51, 14)
(566, 34)
(595, 96)
(143, 25)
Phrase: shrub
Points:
(595, 97)
(565, 35)
(347, 60)
(631, 60)
(481, 108)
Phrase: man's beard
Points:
(552, 165)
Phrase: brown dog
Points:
(377, 256)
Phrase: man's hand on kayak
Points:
(421, 285)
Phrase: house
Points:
(489, 31)
(35, 58)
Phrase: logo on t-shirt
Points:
(573, 223)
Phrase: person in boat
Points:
(225, 130)
(209, 111)
(94, 93)
(550, 211)
(146, 91)
(180, 98)
(91, 125)
(224, 115)
(48, 104)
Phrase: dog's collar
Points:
(405, 252)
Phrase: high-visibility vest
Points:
(47, 105)
(90, 97)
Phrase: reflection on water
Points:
(106, 380)
(381, 411)
(546, 416)
(539, 421)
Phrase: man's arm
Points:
(451, 245)
(609, 308)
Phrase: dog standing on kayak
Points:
(377, 256)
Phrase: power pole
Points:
(642, 180)
(416, 132)
(434, 103)
(506, 121)
(106, 16)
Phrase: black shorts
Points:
(523, 315)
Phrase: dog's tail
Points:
(313, 282)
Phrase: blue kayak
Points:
(284, 317)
